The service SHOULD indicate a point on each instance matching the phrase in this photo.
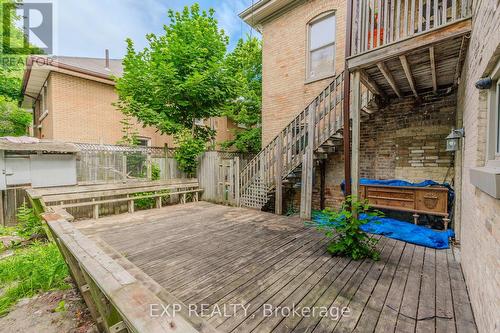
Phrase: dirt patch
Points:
(39, 314)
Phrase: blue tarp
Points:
(403, 231)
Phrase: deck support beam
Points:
(388, 76)
(433, 69)
(371, 84)
(409, 76)
(308, 166)
(356, 131)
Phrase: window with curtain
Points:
(321, 57)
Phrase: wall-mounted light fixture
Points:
(453, 140)
(484, 83)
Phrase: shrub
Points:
(29, 271)
(344, 227)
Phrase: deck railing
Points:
(380, 22)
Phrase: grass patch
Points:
(7, 231)
(37, 268)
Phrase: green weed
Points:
(31, 270)
(29, 223)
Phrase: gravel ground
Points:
(38, 315)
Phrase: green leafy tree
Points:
(130, 135)
(245, 65)
(13, 54)
(178, 78)
(14, 120)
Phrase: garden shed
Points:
(36, 163)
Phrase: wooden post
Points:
(158, 202)
(307, 166)
(356, 133)
(149, 166)
(2, 216)
(278, 206)
(347, 92)
(236, 180)
(124, 166)
(323, 184)
(130, 205)
(96, 210)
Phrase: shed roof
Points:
(34, 144)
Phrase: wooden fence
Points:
(218, 174)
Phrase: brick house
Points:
(72, 99)
(406, 98)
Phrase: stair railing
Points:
(328, 120)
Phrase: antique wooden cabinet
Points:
(417, 200)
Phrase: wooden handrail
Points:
(291, 142)
(289, 146)
(378, 23)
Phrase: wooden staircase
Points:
(281, 158)
(282, 161)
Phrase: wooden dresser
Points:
(417, 200)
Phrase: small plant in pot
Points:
(344, 228)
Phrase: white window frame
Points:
(318, 19)
(493, 139)
(487, 178)
(146, 140)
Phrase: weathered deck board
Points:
(216, 256)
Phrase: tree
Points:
(13, 120)
(13, 60)
(245, 64)
(178, 78)
(130, 133)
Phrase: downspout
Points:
(347, 103)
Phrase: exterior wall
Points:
(284, 63)
(480, 230)
(82, 112)
(225, 130)
(405, 140)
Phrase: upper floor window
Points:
(321, 54)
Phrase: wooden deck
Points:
(208, 256)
